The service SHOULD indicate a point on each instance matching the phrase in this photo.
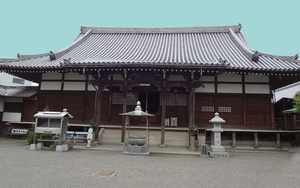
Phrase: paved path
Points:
(87, 169)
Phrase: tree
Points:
(297, 102)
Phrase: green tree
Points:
(297, 102)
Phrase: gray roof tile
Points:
(197, 46)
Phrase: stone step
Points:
(172, 138)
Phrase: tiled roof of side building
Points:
(4, 60)
(191, 47)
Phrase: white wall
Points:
(51, 76)
(208, 88)
(208, 78)
(11, 116)
(50, 85)
(74, 86)
(230, 88)
(256, 78)
(74, 76)
(257, 89)
(176, 77)
(229, 77)
(117, 77)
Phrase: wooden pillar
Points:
(278, 140)
(294, 120)
(215, 93)
(163, 117)
(255, 140)
(97, 107)
(163, 98)
(233, 139)
(110, 94)
(244, 102)
(191, 107)
(272, 114)
(85, 108)
(62, 105)
(125, 91)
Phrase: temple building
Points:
(182, 75)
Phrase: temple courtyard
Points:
(20, 167)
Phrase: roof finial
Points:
(52, 56)
(240, 26)
(138, 106)
(220, 60)
(255, 56)
(296, 56)
(67, 60)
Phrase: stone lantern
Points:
(137, 144)
(216, 148)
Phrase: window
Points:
(54, 123)
(150, 101)
(177, 99)
(42, 122)
(224, 109)
(207, 108)
(45, 122)
(18, 80)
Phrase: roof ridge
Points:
(253, 54)
(77, 41)
(203, 29)
(31, 56)
(241, 45)
(285, 58)
(4, 60)
(58, 53)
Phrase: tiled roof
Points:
(190, 47)
(3, 60)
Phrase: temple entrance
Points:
(149, 97)
(150, 101)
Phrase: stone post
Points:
(90, 137)
(216, 148)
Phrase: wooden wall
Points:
(243, 101)
(232, 109)
(30, 107)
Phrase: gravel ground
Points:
(20, 168)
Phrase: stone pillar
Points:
(216, 148)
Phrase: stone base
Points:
(37, 146)
(218, 151)
(89, 144)
(204, 149)
(62, 148)
(136, 150)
